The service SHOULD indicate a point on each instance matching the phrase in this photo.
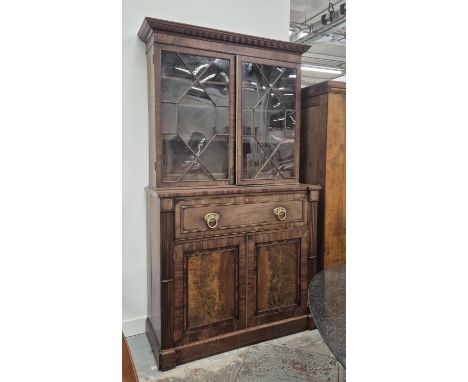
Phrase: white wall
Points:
(266, 18)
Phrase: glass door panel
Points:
(195, 121)
(268, 117)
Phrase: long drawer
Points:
(204, 217)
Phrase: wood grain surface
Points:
(323, 161)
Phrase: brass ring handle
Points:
(280, 213)
(212, 220)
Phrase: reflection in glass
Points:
(271, 73)
(254, 85)
(284, 158)
(247, 121)
(194, 110)
(197, 172)
(177, 157)
(268, 121)
(196, 64)
(222, 120)
(286, 88)
(195, 114)
(168, 117)
(214, 157)
(290, 123)
(176, 78)
(215, 81)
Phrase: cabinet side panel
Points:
(313, 139)
(151, 115)
(154, 260)
(335, 200)
(312, 260)
(314, 115)
(167, 279)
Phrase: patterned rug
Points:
(267, 362)
(298, 357)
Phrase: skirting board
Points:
(134, 326)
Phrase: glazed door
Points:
(195, 107)
(210, 288)
(268, 106)
(277, 276)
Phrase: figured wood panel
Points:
(335, 181)
(277, 274)
(211, 286)
(323, 161)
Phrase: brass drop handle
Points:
(212, 220)
(280, 213)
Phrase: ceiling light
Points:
(321, 69)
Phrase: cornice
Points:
(152, 25)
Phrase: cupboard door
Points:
(268, 140)
(277, 276)
(210, 288)
(195, 105)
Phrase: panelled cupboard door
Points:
(194, 104)
(210, 288)
(277, 276)
(268, 107)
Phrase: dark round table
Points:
(327, 303)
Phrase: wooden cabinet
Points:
(231, 231)
(277, 276)
(323, 161)
(210, 288)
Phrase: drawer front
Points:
(204, 217)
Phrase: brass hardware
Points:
(280, 213)
(212, 219)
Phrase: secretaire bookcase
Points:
(231, 231)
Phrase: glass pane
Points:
(290, 123)
(271, 73)
(222, 120)
(196, 115)
(286, 88)
(215, 81)
(195, 91)
(271, 91)
(197, 172)
(269, 171)
(176, 77)
(269, 121)
(247, 122)
(168, 117)
(253, 157)
(176, 157)
(215, 158)
(284, 158)
(196, 64)
(254, 85)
